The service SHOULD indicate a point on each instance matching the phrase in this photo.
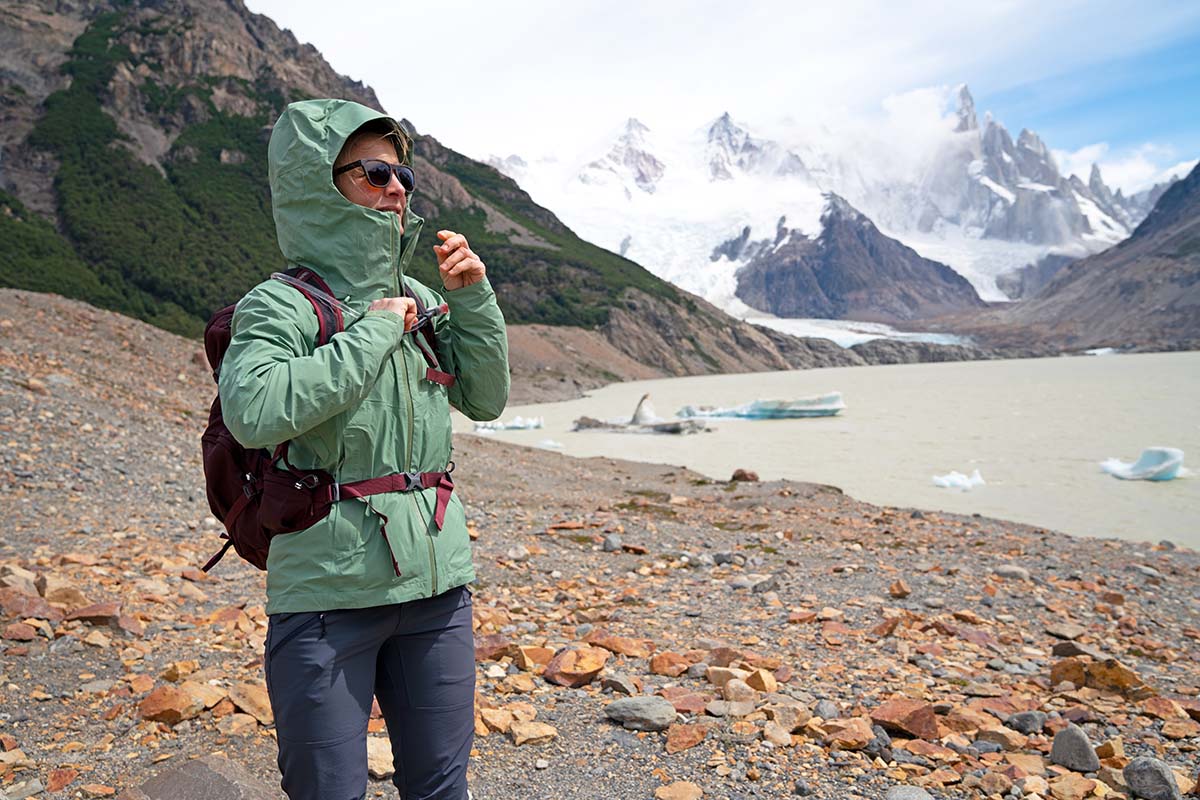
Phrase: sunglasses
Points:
(379, 173)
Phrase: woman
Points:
(373, 599)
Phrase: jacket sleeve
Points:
(275, 383)
(474, 344)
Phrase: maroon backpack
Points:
(257, 494)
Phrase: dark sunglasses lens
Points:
(407, 179)
(378, 173)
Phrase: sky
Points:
(1113, 82)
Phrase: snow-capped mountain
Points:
(696, 208)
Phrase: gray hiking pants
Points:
(417, 658)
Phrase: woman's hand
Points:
(403, 307)
(458, 265)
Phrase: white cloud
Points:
(1131, 170)
(528, 75)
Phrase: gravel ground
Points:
(839, 605)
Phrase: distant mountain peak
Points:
(967, 120)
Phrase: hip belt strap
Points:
(402, 482)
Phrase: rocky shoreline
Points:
(642, 631)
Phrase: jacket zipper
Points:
(411, 404)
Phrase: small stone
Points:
(738, 690)
(910, 717)
(670, 664)
(1012, 572)
(683, 737)
(19, 632)
(763, 681)
(97, 790)
(899, 589)
(178, 670)
(775, 733)
(1005, 737)
(744, 475)
(497, 719)
(1066, 630)
(541, 763)
(529, 658)
(642, 713)
(493, 647)
(531, 733)
(827, 709)
(849, 734)
(61, 591)
(908, 793)
(1027, 722)
(1071, 787)
(1112, 675)
(252, 698)
(1073, 750)
(612, 543)
(620, 683)
(1151, 779)
(169, 704)
(59, 779)
(576, 667)
(518, 553)
(380, 763)
(680, 790)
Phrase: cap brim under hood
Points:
(360, 252)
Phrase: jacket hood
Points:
(360, 252)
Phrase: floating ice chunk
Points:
(517, 423)
(1100, 351)
(956, 480)
(1154, 464)
(550, 444)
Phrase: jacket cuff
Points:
(470, 298)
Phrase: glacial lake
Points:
(1036, 429)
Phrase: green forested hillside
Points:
(170, 243)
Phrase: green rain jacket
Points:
(359, 407)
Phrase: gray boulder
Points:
(208, 778)
(642, 713)
(1072, 749)
(1151, 779)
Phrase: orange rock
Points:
(1162, 707)
(529, 658)
(169, 704)
(576, 667)
(1112, 675)
(763, 681)
(531, 733)
(899, 589)
(911, 717)
(848, 734)
(497, 719)
(668, 663)
(19, 632)
(1005, 737)
(97, 790)
(621, 645)
(1071, 786)
(682, 737)
(252, 698)
(1069, 669)
(681, 790)
(493, 647)
(59, 779)
(1180, 728)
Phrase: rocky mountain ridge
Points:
(849, 271)
(155, 129)
(1144, 293)
(979, 200)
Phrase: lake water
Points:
(1036, 429)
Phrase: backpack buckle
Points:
(412, 480)
(308, 482)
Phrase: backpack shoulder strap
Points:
(329, 317)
